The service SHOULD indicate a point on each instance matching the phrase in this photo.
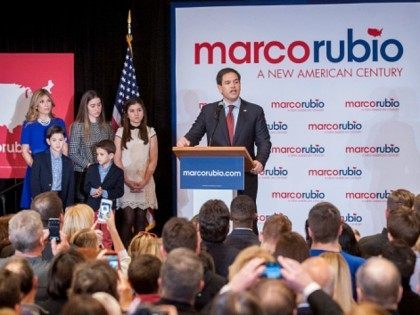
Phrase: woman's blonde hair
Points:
(145, 243)
(32, 113)
(342, 289)
(76, 218)
(246, 255)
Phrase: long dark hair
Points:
(143, 134)
(348, 241)
(83, 113)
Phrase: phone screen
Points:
(54, 229)
(113, 261)
(272, 271)
(104, 210)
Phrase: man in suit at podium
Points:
(233, 122)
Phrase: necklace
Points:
(45, 122)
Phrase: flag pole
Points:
(129, 37)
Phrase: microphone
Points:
(219, 107)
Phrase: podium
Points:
(212, 172)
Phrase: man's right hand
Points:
(183, 142)
(248, 275)
(295, 276)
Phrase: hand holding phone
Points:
(54, 229)
(105, 209)
(113, 260)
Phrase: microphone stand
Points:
(217, 117)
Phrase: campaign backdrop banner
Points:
(20, 76)
(339, 84)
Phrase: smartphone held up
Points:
(54, 229)
(105, 209)
(272, 271)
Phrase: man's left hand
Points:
(258, 167)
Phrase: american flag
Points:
(127, 88)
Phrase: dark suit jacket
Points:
(304, 310)
(251, 129)
(322, 304)
(410, 301)
(242, 238)
(223, 256)
(212, 285)
(373, 245)
(41, 177)
(113, 183)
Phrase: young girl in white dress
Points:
(137, 154)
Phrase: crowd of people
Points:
(212, 264)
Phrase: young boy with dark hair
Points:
(52, 170)
(104, 180)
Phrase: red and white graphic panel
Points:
(20, 75)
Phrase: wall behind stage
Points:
(339, 87)
(19, 78)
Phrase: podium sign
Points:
(197, 172)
